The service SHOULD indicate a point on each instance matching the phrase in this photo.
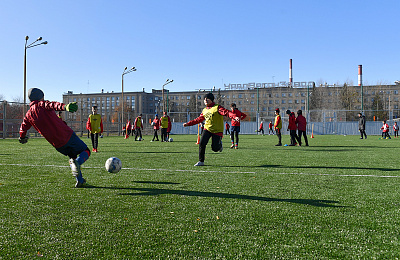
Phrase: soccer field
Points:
(336, 199)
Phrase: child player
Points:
(95, 126)
(138, 127)
(42, 117)
(213, 114)
(156, 126)
(235, 128)
(278, 126)
(165, 123)
(396, 130)
(385, 130)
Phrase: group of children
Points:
(136, 129)
(295, 123)
(385, 130)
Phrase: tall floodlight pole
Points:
(126, 71)
(166, 83)
(27, 46)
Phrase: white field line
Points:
(203, 171)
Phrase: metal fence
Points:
(320, 122)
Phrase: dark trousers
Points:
(164, 134)
(293, 137)
(270, 130)
(216, 143)
(279, 135)
(234, 135)
(385, 135)
(155, 134)
(261, 130)
(304, 135)
(138, 132)
(227, 132)
(95, 140)
(396, 134)
(362, 132)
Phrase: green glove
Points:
(23, 140)
(71, 107)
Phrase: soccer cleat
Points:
(278, 145)
(199, 164)
(236, 148)
(75, 167)
(93, 150)
(232, 146)
(80, 184)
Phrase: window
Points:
(283, 101)
(283, 94)
(240, 102)
(290, 101)
(270, 102)
(252, 95)
(276, 101)
(290, 94)
(240, 96)
(303, 101)
(187, 97)
(252, 102)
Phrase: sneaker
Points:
(93, 150)
(80, 184)
(278, 145)
(75, 167)
(236, 147)
(151, 141)
(232, 146)
(199, 164)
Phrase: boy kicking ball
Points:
(41, 115)
(213, 114)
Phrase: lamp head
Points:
(26, 37)
(39, 39)
(44, 42)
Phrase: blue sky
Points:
(198, 44)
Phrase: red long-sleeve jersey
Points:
(238, 114)
(41, 115)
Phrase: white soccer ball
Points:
(170, 140)
(139, 139)
(113, 165)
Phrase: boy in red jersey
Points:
(270, 126)
(396, 130)
(156, 126)
(235, 128)
(213, 114)
(385, 130)
(261, 128)
(301, 126)
(292, 128)
(42, 117)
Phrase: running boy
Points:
(213, 114)
(235, 128)
(42, 117)
(95, 126)
(385, 130)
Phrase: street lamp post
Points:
(166, 83)
(27, 46)
(126, 71)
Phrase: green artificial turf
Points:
(336, 199)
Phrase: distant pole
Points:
(361, 85)
(290, 73)
(126, 71)
(27, 46)
(162, 93)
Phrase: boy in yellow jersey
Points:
(213, 114)
(278, 126)
(138, 128)
(165, 123)
(95, 126)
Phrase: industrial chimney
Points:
(290, 73)
(360, 75)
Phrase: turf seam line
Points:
(178, 170)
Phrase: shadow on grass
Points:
(155, 192)
(327, 167)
